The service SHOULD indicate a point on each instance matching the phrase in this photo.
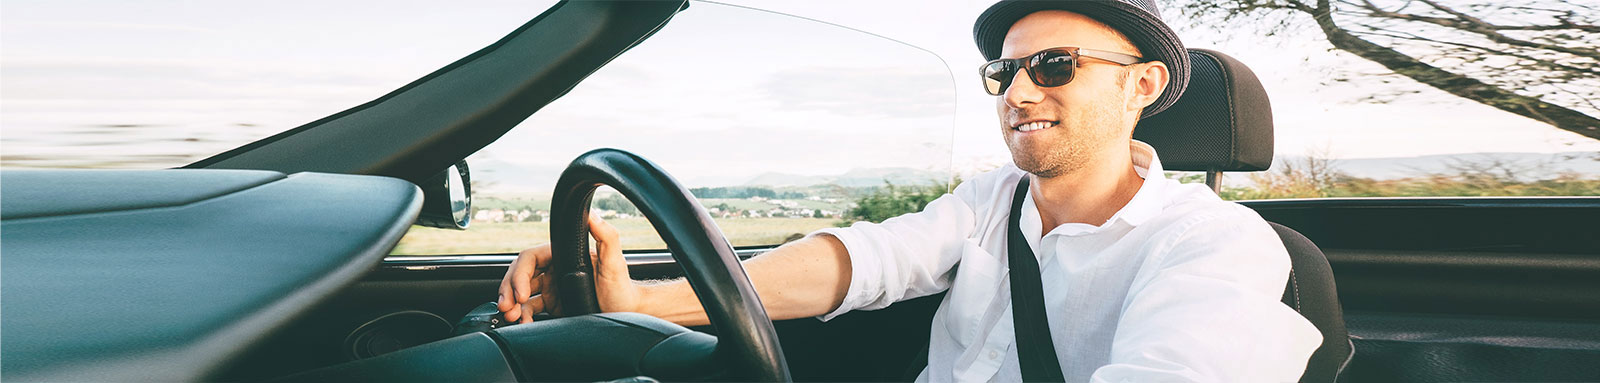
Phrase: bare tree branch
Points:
(1456, 84)
(1580, 97)
(1458, 49)
(1556, 27)
(1473, 24)
(1411, 36)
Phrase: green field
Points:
(496, 238)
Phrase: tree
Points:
(1314, 176)
(616, 203)
(891, 201)
(743, 192)
(1538, 60)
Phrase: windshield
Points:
(779, 125)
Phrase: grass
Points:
(1275, 187)
(499, 238)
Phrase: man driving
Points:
(1142, 278)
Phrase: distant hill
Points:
(785, 179)
(854, 178)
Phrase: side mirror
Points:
(447, 199)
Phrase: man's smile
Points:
(1033, 125)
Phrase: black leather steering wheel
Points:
(746, 338)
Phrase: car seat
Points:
(1223, 122)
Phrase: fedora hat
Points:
(1139, 20)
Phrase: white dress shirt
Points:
(1178, 285)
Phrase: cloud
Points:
(864, 92)
(110, 27)
(145, 79)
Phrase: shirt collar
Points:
(1147, 202)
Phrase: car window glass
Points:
(1518, 118)
(777, 124)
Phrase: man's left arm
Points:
(1210, 311)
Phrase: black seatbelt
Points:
(1035, 351)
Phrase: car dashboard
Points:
(169, 275)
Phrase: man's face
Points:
(1085, 118)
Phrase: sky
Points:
(122, 84)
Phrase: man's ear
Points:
(1149, 81)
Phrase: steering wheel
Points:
(746, 338)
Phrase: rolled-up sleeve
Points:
(1211, 311)
(904, 257)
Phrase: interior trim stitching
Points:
(1296, 283)
(1348, 356)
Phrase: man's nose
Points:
(1022, 90)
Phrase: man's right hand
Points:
(803, 278)
(528, 288)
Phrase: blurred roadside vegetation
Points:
(1319, 177)
(1315, 176)
(892, 201)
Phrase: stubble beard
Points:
(1080, 142)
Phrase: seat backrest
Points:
(1318, 302)
(1223, 122)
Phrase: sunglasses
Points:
(1048, 68)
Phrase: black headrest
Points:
(1222, 122)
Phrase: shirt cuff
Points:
(862, 265)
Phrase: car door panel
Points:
(1454, 289)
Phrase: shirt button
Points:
(994, 354)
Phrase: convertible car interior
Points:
(271, 261)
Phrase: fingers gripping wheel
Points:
(746, 336)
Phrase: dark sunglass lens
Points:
(997, 77)
(1053, 69)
